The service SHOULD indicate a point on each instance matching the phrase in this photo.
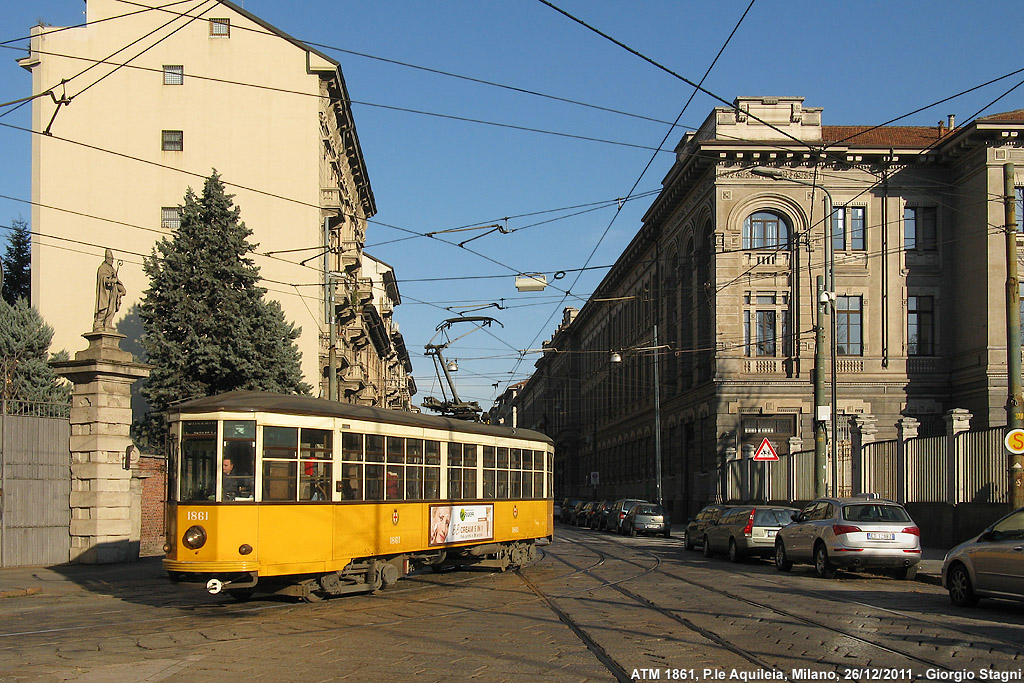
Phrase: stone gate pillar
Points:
(101, 418)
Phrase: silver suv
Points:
(863, 532)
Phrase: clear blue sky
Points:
(863, 62)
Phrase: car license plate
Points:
(770, 533)
(653, 526)
(880, 536)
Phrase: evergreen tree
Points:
(207, 326)
(24, 343)
(17, 263)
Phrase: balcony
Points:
(330, 198)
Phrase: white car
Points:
(989, 566)
(862, 532)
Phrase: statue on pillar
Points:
(109, 291)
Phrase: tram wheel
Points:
(241, 594)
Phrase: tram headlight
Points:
(194, 538)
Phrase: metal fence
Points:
(35, 477)
(918, 470)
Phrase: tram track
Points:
(815, 623)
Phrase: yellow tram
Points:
(314, 498)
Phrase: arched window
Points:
(765, 230)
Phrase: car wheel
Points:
(734, 551)
(668, 532)
(961, 593)
(782, 563)
(632, 530)
(707, 547)
(822, 566)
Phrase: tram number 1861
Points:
(194, 516)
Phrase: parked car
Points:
(587, 513)
(646, 518)
(696, 527)
(618, 513)
(583, 508)
(568, 507)
(556, 510)
(863, 532)
(596, 518)
(988, 566)
(747, 530)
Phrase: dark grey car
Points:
(699, 524)
(613, 521)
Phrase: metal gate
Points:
(35, 484)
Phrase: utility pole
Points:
(330, 317)
(1014, 402)
(657, 417)
(819, 391)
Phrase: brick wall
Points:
(153, 472)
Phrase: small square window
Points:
(174, 74)
(220, 28)
(170, 218)
(172, 141)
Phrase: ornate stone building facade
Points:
(717, 296)
(211, 88)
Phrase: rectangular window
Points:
(849, 326)
(857, 228)
(220, 28)
(765, 330)
(170, 218)
(839, 229)
(174, 74)
(919, 231)
(920, 326)
(172, 140)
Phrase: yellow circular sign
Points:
(1014, 441)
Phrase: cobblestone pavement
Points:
(607, 606)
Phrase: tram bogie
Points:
(314, 499)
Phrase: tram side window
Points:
(515, 473)
(527, 465)
(501, 485)
(239, 460)
(394, 473)
(538, 474)
(469, 460)
(315, 452)
(490, 478)
(432, 470)
(374, 479)
(455, 470)
(198, 460)
(414, 469)
(280, 466)
(351, 483)
(550, 462)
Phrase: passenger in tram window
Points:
(350, 484)
(235, 485)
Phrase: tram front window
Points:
(198, 461)
(239, 460)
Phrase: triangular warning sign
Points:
(766, 451)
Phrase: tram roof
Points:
(262, 401)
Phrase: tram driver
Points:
(235, 485)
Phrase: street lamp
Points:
(826, 298)
(615, 357)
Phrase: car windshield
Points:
(649, 510)
(773, 517)
(874, 512)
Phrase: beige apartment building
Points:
(717, 296)
(146, 103)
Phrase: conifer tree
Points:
(17, 263)
(24, 345)
(207, 326)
